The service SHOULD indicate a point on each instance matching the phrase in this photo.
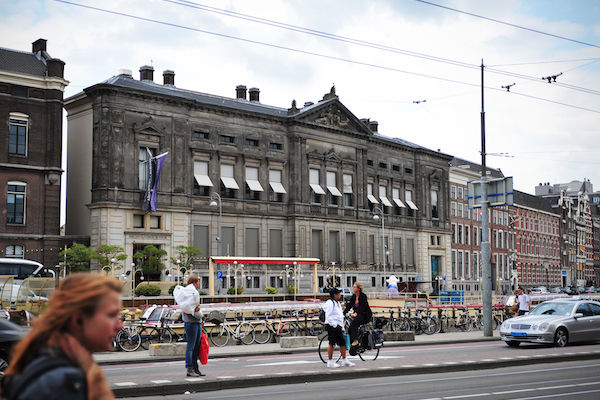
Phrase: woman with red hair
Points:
(54, 361)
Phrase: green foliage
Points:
(271, 290)
(172, 288)
(77, 257)
(186, 256)
(240, 290)
(147, 290)
(202, 293)
(292, 289)
(105, 253)
(150, 259)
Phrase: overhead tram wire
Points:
(508, 23)
(346, 39)
(301, 51)
(547, 62)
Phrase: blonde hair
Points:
(78, 293)
(360, 286)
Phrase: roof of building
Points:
(127, 82)
(475, 167)
(22, 62)
(531, 201)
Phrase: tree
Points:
(77, 257)
(150, 260)
(186, 255)
(106, 253)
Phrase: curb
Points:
(152, 359)
(340, 373)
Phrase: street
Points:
(168, 377)
(573, 380)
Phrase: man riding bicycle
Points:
(362, 314)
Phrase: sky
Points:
(411, 65)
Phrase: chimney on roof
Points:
(146, 73)
(168, 77)
(56, 67)
(373, 125)
(240, 92)
(39, 45)
(254, 94)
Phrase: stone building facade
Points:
(303, 181)
(31, 102)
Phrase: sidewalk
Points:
(142, 356)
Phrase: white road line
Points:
(588, 384)
(299, 362)
(466, 395)
(515, 391)
(450, 362)
(468, 362)
(430, 365)
(523, 356)
(194, 379)
(488, 359)
(505, 358)
(226, 377)
(125, 384)
(385, 367)
(282, 373)
(556, 387)
(161, 381)
(408, 366)
(255, 375)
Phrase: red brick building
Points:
(31, 103)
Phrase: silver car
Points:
(558, 322)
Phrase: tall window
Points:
(228, 240)
(453, 264)
(347, 189)
(15, 210)
(408, 198)
(434, 204)
(334, 193)
(316, 249)
(334, 246)
(397, 251)
(228, 182)
(17, 136)
(251, 245)
(145, 167)
(467, 270)
(203, 182)
(317, 191)
(201, 239)
(277, 189)
(410, 252)
(253, 186)
(350, 247)
(14, 251)
(275, 243)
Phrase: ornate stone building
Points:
(31, 102)
(302, 181)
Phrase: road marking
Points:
(515, 391)
(450, 363)
(588, 384)
(282, 373)
(125, 384)
(385, 367)
(161, 381)
(299, 362)
(468, 362)
(255, 375)
(194, 379)
(466, 395)
(505, 358)
(408, 366)
(430, 365)
(557, 387)
(488, 359)
(523, 356)
(226, 377)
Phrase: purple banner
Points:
(159, 163)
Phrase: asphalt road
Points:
(273, 369)
(568, 380)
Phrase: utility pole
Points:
(485, 239)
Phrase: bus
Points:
(21, 269)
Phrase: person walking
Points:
(524, 302)
(334, 324)
(192, 325)
(54, 361)
(362, 314)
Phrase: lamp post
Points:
(376, 211)
(178, 262)
(236, 268)
(294, 269)
(332, 269)
(215, 200)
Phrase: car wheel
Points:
(561, 337)
(513, 343)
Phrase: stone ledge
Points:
(167, 349)
(298, 341)
(399, 336)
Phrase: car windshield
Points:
(553, 308)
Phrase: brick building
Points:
(31, 102)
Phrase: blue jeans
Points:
(192, 335)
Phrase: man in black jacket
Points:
(362, 314)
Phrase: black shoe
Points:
(192, 373)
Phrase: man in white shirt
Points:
(334, 323)
(524, 302)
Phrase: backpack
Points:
(322, 315)
(374, 339)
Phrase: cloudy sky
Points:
(382, 56)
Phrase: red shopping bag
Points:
(204, 347)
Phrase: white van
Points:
(21, 269)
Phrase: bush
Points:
(271, 290)
(240, 290)
(172, 288)
(202, 293)
(147, 290)
(292, 289)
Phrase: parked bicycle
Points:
(306, 327)
(128, 338)
(268, 328)
(223, 331)
(163, 333)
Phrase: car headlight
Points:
(544, 326)
(505, 325)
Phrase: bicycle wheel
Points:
(401, 325)
(219, 336)
(262, 333)
(323, 348)
(245, 333)
(317, 329)
(285, 329)
(165, 336)
(465, 323)
(149, 335)
(128, 340)
(428, 325)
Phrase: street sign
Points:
(563, 273)
(219, 274)
(499, 192)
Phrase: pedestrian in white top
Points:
(524, 302)
(334, 323)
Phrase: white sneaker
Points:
(347, 363)
(332, 364)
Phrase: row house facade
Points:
(465, 271)
(31, 102)
(536, 257)
(296, 182)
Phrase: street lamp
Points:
(376, 211)
(215, 200)
(332, 269)
(178, 262)
(295, 270)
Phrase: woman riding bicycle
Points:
(362, 314)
